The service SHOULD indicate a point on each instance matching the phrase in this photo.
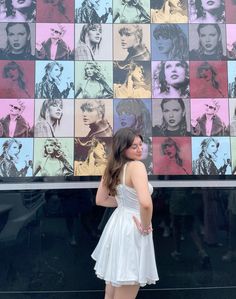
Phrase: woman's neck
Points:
(210, 17)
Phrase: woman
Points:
(209, 123)
(209, 11)
(18, 42)
(10, 157)
(89, 12)
(207, 163)
(130, 11)
(49, 87)
(49, 119)
(15, 85)
(173, 119)
(54, 48)
(14, 124)
(19, 11)
(57, 11)
(169, 11)
(96, 158)
(134, 85)
(134, 114)
(131, 37)
(89, 43)
(171, 80)
(95, 85)
(210, 43)
(172, 162)
(93, 113)
(170, 43)
(127, 238)
(54, 161)
(210, 86)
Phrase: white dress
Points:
(123, 255)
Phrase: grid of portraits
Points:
(74, 72)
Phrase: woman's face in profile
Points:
(55, 72)
(13, 150)
(170, 150)
(55, 111)
(128, 40)
(95, 34)
(17, 38)
(174, 72)
(127, 119)
(49, 147)
(211, 5)
(211, 148)
(19, 4)
(209, 39)
(164, 45)
(90, 115)
(89, 70)
(172, 114)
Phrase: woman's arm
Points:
(140, 182)
(103, 198)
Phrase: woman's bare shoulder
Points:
(137, 166)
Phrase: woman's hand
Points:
(143, 231)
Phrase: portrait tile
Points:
(216, 111)
(93, 42)
(93, 79)
(172, 156)
(135, 114)
(132, 80)
(91, 155)
(232, 79)
(233, 152)
(203, 11)
(93, 12)
(170, 79)
(169, 11)
(231, 41)
(55, 11)
(211, 156)
(130, 11)
(50, 34)
(54, 118)
(94, 118)
(54, 80)
(18, 11)
(232, 113)
(230, 11)
(20, 151)
(208, 79)
(131, 42)
(17, 79)
(17, 41)
(23, 111)
(169, 41)
(171, 117)
(207, 42)
(53, 157)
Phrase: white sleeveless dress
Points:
(123, 255)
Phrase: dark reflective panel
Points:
(47, 237)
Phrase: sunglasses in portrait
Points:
(210, 107)
(15, 107)
(56, 31)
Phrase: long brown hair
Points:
(122, 140)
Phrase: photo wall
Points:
(74, 72)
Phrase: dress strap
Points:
(124, 173)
